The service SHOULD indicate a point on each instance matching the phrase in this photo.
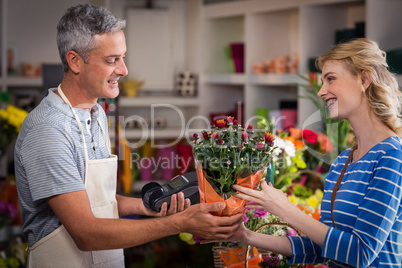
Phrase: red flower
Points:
(221, 123)
(310, 136)
(195, 135)
(230, 119)
(205, 135)
(215, 135)
(269, 138)
(250, 128)
(235, 123)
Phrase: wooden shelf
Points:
(227, 79)
(20, 81)
(276, 79)
(146, 101)
(162, 133)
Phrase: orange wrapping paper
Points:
(235, 258)
(234, 205)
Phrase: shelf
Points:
(146, 101)
(163, 133)
(20, 81)
(227, 79)
(276, 79)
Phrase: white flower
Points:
(284, 145)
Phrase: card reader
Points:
(154, 195)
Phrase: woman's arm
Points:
(277, 203)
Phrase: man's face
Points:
(99, 77)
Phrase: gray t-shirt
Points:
(49, 159)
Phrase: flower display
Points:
(229, 154)
(10, 124)
(305, 199)
(316, 146)
(287, 161)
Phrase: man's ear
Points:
(74, 61)
(366, 80)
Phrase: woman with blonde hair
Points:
(361, 210)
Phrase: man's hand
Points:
(200, 222)
(177, 204)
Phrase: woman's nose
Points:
(321, 93)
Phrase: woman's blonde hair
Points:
(383, 95)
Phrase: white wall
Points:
(31, 28)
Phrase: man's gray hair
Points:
(79, 24)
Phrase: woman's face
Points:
(342, 91)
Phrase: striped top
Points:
(49, 159)
(367, 212)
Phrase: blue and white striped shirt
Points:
(49, 159)
(367, 212)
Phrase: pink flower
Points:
(241, 146)
(244, 136)
(215, 135)
(250, 128)
(221, 142)
(197, 239)
(310, 136)
(230, 119)
(260, 213)
(260, 145)
(291, 232)
(245, 218)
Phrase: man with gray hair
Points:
(66, 173)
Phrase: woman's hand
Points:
(273, 200)
(177, 204)
(240, 236)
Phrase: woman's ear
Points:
(74, 61)
(366, 80)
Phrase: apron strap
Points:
(80, 125)
(339, 182)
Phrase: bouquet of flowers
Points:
(229, 154)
